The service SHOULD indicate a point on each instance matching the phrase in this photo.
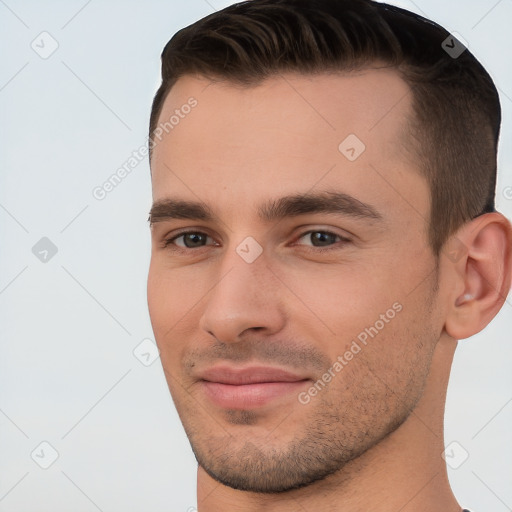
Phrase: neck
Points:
(404, 472)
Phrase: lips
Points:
(250, 387)
(248, 375)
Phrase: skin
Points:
(372, 438)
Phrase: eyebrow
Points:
(337, 203)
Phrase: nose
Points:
(245, 299)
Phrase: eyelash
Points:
(169, 242)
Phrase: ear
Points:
(479, 257)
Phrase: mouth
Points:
(249, 387)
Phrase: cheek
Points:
(157, 298)
(169, 301)
(172, 295)
(340, 299)
(363, 313)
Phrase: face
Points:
(292, 291)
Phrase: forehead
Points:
(239, 145)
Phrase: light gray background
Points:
(68, 375)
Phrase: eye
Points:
(189, 240)
(322, 239)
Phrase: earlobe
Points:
(481, 277)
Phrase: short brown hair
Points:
(456, 105)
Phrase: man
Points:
(323, 233)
